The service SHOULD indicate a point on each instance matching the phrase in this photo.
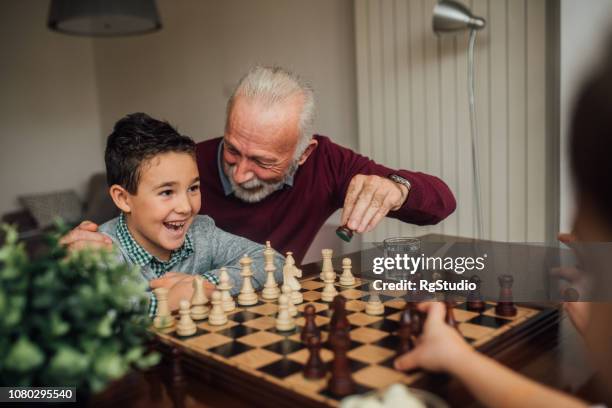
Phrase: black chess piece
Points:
(474, 298)
(505, 306)
(339, 321)
(450, 315)
(310, 327)
(416, 319)
(344, 233)
(341, 381)
(315, 367)
(404, 332)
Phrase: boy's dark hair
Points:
(135, 139)
(591, 140)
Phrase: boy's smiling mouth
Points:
(175, 226)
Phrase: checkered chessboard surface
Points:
(250, 341)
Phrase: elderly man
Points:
(268, 178)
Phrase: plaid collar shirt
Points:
(139, 256)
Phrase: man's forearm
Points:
(429, 201)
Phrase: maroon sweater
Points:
(291, 217)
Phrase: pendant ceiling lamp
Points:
(103, 18)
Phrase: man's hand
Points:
(86, 235)
(180, 287)
(369, 199)
(439, 347)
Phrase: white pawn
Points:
(199, 309)
(286, 289)
(163, 319)
(217, 316)
(247, 296)
(284, 321)
(224, 286)
(186, 326)
(271, 290)
(374, 307)
(327, 266)
(329, 290)
(347, 278)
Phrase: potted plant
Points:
(69, 319)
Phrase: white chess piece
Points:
(224, 287)
(286, 289)
(199, 309)
(374, 307)
(290, 275)
(217, 316)
(247, 296)
(327, 266)
(271, 290)
(186, 326)
(284, 321)
(347, 278)
(163, 320)
(329, 290)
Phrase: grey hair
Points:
(275, 85)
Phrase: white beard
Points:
(255, 190)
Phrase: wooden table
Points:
(555, 357)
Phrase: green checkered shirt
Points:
(139, 256)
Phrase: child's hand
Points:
(169, 279)
(579, 314)
(180, 287)
(182, 290)
(439, 347)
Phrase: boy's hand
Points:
(86, 235)
(169, 279)
(180, 287)
(439, 347)
(578, 312)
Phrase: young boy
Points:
(153, 179)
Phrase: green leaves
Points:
(74, 319)
(23, 356)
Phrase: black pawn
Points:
(344, 233)
(339, 322)
(416, 319)
(505, 307)
(450, 315)
(341, 382)
(404, 332)
(474, 299)
(315, 367)
(310, 327)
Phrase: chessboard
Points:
(248, 355)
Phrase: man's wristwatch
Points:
(400, 180)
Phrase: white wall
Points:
(50, 135)
(186, 71)
(62, 94)
(584, 26)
